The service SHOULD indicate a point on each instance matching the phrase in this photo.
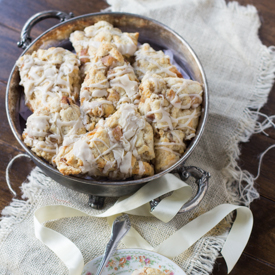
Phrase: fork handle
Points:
(120, 227)
(110, 249)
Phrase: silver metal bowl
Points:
(151, 31)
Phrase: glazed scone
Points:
(110, 82)
(148, 271)
(171, 103)
(118, 148)
(172, 107)
(169, 148)
(186, 120)
(48, 126)
(183, 93)
(47, 74)
(147, 60)
(87, 42)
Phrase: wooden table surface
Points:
(259, 255)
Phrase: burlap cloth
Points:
(240, 73)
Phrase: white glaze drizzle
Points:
(123, 149)
(129, 86)
(165, 117)
(152, 57)
(37, 126)
(87, 106)
(179, 88)
(45, 77)
(167, 149)
(189, 118)
(40, 126)
(121, 70)
(141, 168)
(169, 143)
(123, 41)
(118, 78)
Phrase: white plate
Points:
(126, 261)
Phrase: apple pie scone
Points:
(48, 127)
(119, 147)
(147, 60)
(110, 82)
(169, 148)
(46, 74)
(87, 42)
(172, 106)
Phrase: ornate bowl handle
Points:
(201, 177)
(8, 171)
(26, 30)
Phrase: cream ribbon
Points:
(138, 204)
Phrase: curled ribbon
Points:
(138, 204)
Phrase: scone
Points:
(172, 107)
(147, 60)
(169, 148)
(47, 74)
(171, 103)
(87, 42)
(148, 271)
(110, 82)
(118, 148)
(48, 126)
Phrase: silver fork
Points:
(120, 227)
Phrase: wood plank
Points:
(23, 10)
(268, 109)
(10, 29)
(262, 241)
(6, 135)
(250, 160)
(261, 244)
(9, 51)
(258, 257)
(246, 265)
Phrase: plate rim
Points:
(135, 249)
